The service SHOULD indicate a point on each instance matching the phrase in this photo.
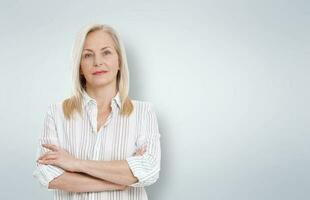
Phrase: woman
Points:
(99, 144)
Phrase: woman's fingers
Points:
(51, 154)
(50, 146)
(48, 157)
(47, 162)
(140, 151)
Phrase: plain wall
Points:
(229, 81)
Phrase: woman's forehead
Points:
(98, 39)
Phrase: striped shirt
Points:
(117, 139)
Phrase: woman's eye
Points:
(106, 52)
(87, 55)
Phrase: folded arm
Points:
(79, 182)
(115, 171)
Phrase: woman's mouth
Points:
(99, 72)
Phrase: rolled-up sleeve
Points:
(146, 167)
(46, 173)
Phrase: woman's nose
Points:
(98, 61)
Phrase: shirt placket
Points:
(99, 135)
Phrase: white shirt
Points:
(117, 139)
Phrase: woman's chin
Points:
(99, 83)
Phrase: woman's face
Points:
(99, 55)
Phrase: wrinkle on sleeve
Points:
(46, 173)
(146, 167)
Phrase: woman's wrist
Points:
(78, 165)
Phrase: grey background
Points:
(229, 80)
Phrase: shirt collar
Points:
(87, 99)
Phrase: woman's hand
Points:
(58, 157)
(140, 151)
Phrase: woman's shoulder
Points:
(143, 106)
(142, 103)
(55, 108)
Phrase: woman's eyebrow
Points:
(105, 48)
(100, 49)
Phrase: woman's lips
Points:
(99, 72)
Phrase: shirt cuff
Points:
(143, 169)
(46, 173)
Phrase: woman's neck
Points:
(102, 95)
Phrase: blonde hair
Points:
(74, 103)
